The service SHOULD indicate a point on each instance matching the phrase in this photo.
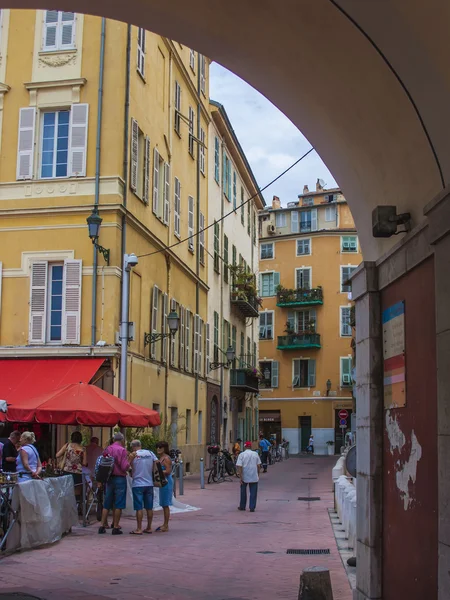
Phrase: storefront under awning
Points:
(270, 416)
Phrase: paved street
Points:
(217, 553)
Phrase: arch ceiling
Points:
(368, 82)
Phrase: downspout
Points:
(222, 372)
(97, 177)
(197, 269)
(169, 340)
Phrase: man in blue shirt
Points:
(265, 446)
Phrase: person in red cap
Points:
(248, 465)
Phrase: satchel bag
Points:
(159, 479)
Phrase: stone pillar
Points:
(369, 432)
(438, 213)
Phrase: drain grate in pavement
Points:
(265, 552)
(308, 551)
(309, 477)
(310, 499)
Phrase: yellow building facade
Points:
(308, 250)
(98, 116)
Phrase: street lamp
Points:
(129, 261)
(230, 354)
(173, 321)
(94, 221)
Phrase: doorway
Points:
(304, 432)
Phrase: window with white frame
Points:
(267, 250)
(349, 243)
(269, 283)
(140, 163)
(216, 247)
(346, 273)
(55, 302)
(216, 337)
(330, 213)
(304, 373)
(346, 328)
(234, 190)
(155, 318)
(161, 187)
(270, 371)
(177, 119)
(202, 74)
(280, 219)
(207, 348)
(59, 30)
(302, 321)
(191, 223)
(266, 325)
(303, 247)
(226, 175)
(331, 197)
(202, 239)
(303, 278)
(202, 151)
(187, 340)
(164, 315)
(177, 208)
(192, 59)
(308, 220)
(141, 51)
(191, 131)
(242, 207)
(346, 371)
(308, 201)
(217, 159)
(173, 345)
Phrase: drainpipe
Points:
(169, 340)
(197, 268)
(97, 177)
(222, 372)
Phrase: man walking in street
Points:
(116, 488)
(142, 486)
(248, 466)
(265, 446)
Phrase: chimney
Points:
(319, 188)
(276, 202)
(305, 189)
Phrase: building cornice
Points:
(37, 85)
(58, 351)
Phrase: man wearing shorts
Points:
(116, 488)
(142, 486)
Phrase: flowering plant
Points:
(254, 372)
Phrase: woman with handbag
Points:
(28, 463)
(73, 459)
(166, 492)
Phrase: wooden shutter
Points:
(295, 227)
(71, 317)
(67, 30)
(154, 318)
(311, 373)
(165, 302)
(275, 370)
(78, 139)
(187, 340)
(134, 155)
(38, 302)
(166, 193)
(200, 346)
(177, 206)
(182, 331)
(314, 219)
(25, 146)
(276, 283)
(346, 371)
(296, 378)
(191, 222)
(196, 340)
(146, 170)
(173, 307)
(50, 29)
(156, 181)
(207, 349)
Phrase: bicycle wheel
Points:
(212, 477)
(230, 468)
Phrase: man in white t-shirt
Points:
(142, 487)
(248, 465)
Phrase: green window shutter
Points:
(296, 378)
(276, 283)
(291, 319)
(311, 373)
(275, 370)
(225, 259)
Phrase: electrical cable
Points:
(231, 212)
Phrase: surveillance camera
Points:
(131, 260)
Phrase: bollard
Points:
(174, 477)
(180, 480)
(83, 491)
(315, 584)
(202, 474)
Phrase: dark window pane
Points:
(64, 116)
(61, 170)
(55, 317)
(56, 303)
(57, 272)
(49, 118)
(56, 287)
(55, 333)
(46, 171)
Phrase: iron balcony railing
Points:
(241, 379)
(293, 341)
(300, 297)
(245, 302)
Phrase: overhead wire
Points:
(233, 211)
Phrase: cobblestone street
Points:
(217, 553)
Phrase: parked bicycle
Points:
(230, 465)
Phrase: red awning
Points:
(24, 378)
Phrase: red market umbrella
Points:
(81, 404)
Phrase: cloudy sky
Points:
(270, 141)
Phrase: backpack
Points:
(103, 468)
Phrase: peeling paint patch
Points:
(405, 468)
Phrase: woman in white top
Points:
(28, 462)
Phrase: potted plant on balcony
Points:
(290, 330)
(330, 445)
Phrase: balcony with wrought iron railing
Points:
(243, 293)
(295, 341)
(299, 297)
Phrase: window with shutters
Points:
(226, 337)
(226, 175)
(191, 223)
(269, 283)
(55, 144)
(345, 320)
(346, 371)
(201, 326)
(177, 208)
(164, 329)
(234, 190)
(216, 248)
(308, 201)
(303, 247)
(330, 213)
(346, 273)
(233, 343)
(173, 344)
(155, 318)
(216, 337)
(349, 243)
(242, 351)
(269, 370)
(55, 302)
(140, 163)
(192, 59)
(177, 119)
(141, 52)
(202, 151)
(225, 258)
(207, 349)
(181, 339)
(266, 319)
(304, 373)
(255, 354)
(203, 74)
(196, 361)
(191, 131)
(266, 250)
(202, 239)
(249, 217)
(280, 219)
(161, 188)
(217, 159)
(303, 278)
(59, 30)
(242, 207)
(187, 340)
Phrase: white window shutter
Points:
(275, 369)
(187, 339)
(295, 227)
(296, 379)
(195, 365)
(67, 30)
(276, 282)
(78, 139)
(155, 181)
(177, 206)
(166, 193)
(173, 307)
(38, 302)
(25, 146)
(311, 373)
(314, 219)
(200, 346)
(1, 269)
(50, 30)
(134, 154)
(146, 170)
(207, 349)
(71, 317)
(154, 319)
(165, 300)
(181, 355)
